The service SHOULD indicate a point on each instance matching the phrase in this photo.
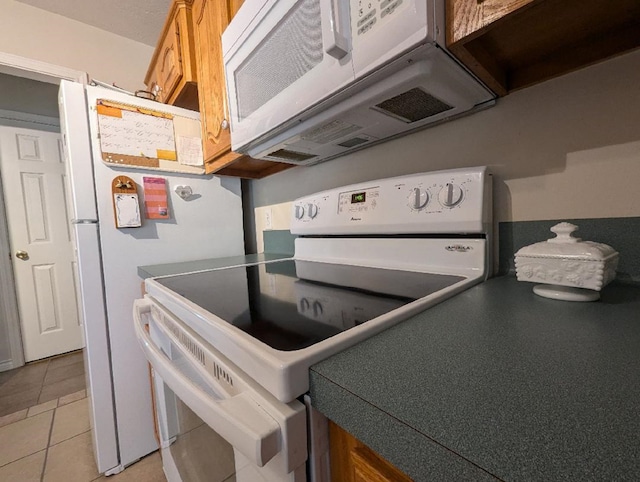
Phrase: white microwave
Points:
(310, 80)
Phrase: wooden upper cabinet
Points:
(512, 44)
(187, 70)
(210, 18)
(172, 71)
(470, 16)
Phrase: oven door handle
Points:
(237, 419)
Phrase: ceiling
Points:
(139, 20)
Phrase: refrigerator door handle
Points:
(238, 419)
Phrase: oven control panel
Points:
(452, 201)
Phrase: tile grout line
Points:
(68, 377)
(22, 458)
(43, 379)
(67, 439)
(53, 418)
(41, 384)
(13, 413)
(47, 363)
(46, 454)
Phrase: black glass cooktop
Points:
(292, 304)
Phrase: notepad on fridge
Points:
(155, 198)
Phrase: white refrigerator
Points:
(206, 225)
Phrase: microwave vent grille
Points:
(291, 50)
(353, 142)
(412, 106)
(330, 132)
(290, 156)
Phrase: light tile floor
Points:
(51, 441)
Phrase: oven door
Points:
(214, 425)
(281, 57)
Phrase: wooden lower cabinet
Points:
(353, 461)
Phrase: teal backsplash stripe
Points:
(622, 234)
(279, 241)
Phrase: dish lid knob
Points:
(564, 233)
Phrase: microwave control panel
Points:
(367, 14)
(454, 201)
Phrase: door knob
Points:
(23, 255)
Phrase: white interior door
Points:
(33, 177)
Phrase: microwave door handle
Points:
(238, 419)
(333, 28)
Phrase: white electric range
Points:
(231, 347)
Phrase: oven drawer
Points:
(213, 423)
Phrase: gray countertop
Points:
(151, 271)
(497, 382)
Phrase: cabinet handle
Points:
(144, 94)
(224, 125)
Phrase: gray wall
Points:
(5, 343)
(569, 147)
(28, 96)
(5, 347)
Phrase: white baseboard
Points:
(8, 365)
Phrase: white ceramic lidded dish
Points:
(569, 268)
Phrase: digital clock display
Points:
(358, 197)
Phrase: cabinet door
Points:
(172, 74)
(169, 68)
(210, 18)
(234, 6)
(353, 461)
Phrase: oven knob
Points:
(312, 210)
(418, 198)
(298, 212)
(450, 195)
